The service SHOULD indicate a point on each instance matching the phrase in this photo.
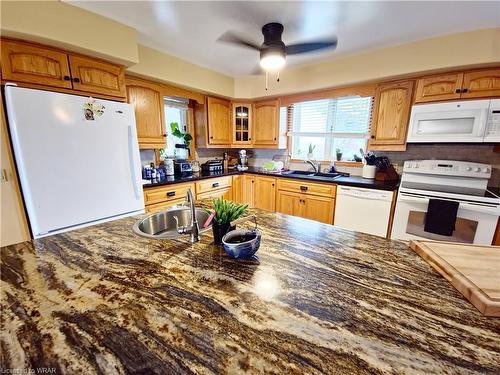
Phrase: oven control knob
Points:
(409, 165)
(468, 169)
(477, 169)
(486, 170)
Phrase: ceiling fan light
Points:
(272, 62)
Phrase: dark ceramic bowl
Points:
(241, 243)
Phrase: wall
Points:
(65, 26)
(157, 65)
(463, 49)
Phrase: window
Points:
(327, 125)
(175, 111)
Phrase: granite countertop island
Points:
(320, 300)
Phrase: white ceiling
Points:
(189, 29)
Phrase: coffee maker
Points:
(242, 160)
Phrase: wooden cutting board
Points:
(473, 269)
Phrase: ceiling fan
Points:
(273, 51)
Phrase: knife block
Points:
(388, 174)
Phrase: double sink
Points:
(315, 175)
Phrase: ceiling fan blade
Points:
(310, 47)
(232, 38)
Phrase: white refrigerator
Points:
(77, 159)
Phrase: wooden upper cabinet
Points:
(242, 124)
(266, 123)
(443, 87)
(24, 62)
(97, 76)
(219, 121)
(481, 83)
(390, 116)
(461, 85)
(146, 97)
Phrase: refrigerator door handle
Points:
(131, 140)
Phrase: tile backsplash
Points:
(479, 153)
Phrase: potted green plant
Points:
(310, 153)
(338, 151)
(186, 138)
(225, 212)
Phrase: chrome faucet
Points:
(193, 229)
(315, 167)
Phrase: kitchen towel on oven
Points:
(441, 216)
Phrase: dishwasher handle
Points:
(365, 193)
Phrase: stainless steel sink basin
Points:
(162, 225)
(312, 175)
(299, 173)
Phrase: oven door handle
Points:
(495, 210)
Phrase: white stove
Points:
(446, 180)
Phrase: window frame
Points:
(329, 136)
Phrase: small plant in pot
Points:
(225, 212)
(310, 152)
(338, 151)
(182, 149)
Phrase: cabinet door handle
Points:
(249, 139)
(211, 137)
(76, 79)
(215, 184)
(171, 194)
(372, 137)
(303, 188)
(458, 91)
(465, 90)
(67, 78)
(274, 138)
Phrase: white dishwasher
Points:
(363, 210)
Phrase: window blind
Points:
(329, 125)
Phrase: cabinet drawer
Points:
(213, 184)
(226, 193)
(163, 205)
(305, 187)
(166, 193)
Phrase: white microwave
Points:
(463, 121)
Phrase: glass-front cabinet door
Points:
(242, 123)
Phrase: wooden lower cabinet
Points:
(306, 199)
(289, 203)
(318, 208)
(265, 193)
(214, 188)
(248, 189)
(259, 192)
(307, 206)
(238, 189)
